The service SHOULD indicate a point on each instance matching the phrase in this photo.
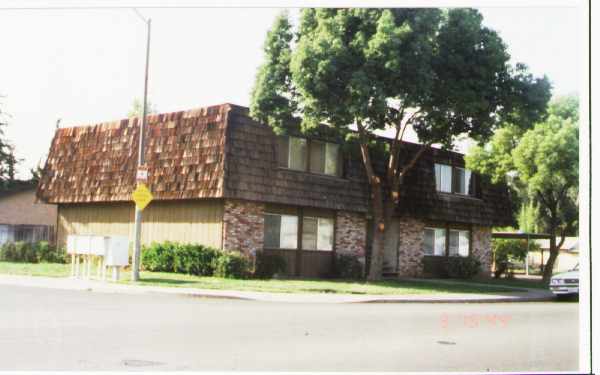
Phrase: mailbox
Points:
(71, 240)
(99, 245)
(82, 244)
(118, 251)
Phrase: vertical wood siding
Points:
(183, 221)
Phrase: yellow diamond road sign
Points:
(141, 196)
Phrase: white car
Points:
(565, 283)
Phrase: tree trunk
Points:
(552, 258)
(379, 229)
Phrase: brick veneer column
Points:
(410, 247)
(243, 226)
(351, 233)
(482, 248)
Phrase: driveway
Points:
(76, 330)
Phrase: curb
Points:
(274, 297)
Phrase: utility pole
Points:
(135, 274)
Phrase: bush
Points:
(180, 258)
(268, 265)
(32, 252)
(462, 267)
(231, 266)
(347, 266)
(509, 250)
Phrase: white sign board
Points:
(142, 174)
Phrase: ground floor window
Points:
(435, 241)
(281, 232)
(446, 241)
(317, 233)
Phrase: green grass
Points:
(391, 287)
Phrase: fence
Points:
(27, 233)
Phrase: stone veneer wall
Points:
(481, 248)
(351, 233)
(410, 247)
(243, 226)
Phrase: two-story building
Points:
(222, 179)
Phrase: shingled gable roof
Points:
(184, 154)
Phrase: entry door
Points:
(390, 256)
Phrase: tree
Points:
(441, 72)
(8, 161)
(137, 108)
(542, 165)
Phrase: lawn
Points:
(391, 287)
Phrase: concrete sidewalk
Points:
(110, 287)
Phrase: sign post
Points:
(135, 272)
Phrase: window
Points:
(281, 231)
(462, 181)
(459, 243)
(443, 178)
(453, 180)
(435, 241)
(299, 153)
(317, 233)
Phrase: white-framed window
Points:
(281, 231)
(458, 243)
(450, 179)
(443, 178)
(435, 241)
(317, 233)
(300, 153)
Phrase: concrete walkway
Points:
(109, 287)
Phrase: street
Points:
(75, 330)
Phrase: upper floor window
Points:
(450, 179)
(310, 155)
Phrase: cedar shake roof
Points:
(220, 152)
(184, 155)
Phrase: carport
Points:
(527, 237)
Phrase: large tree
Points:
(440, 72)
(542, 167)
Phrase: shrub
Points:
(231, 266)
(347, 266)
(509, 250)
(268, 265)
(462, 267)
(31, 252)
(169, 256)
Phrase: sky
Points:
(87, 66)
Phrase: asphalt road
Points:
(74, 330)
